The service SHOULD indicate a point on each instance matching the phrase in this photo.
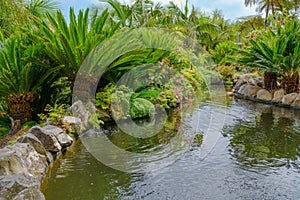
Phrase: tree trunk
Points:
(270, 80)
(290, 83)
(267, 13)
(20, 106)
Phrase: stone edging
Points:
(252, 90)
(23, 164)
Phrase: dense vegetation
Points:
(41, 51)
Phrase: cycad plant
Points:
(67, 45)
(291, 60)
(276, 53)
(265, 53)
(19, 79)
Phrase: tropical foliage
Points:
(41, 51)
(277, 52)
(67, 45)
(19, 79)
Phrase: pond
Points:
(257, 156)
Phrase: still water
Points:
(256, 156)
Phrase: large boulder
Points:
(30, 194)
(278, 96)
(21, 158)
(84, 112)
(239, 84)
(297, 101)
(80, 111)
(258, 81)
(64, 139)
(47, 138)
(249, 90)
(20, 186)
(289, 99)
(37, 145)
(264, 95)
(74, 123)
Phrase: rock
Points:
(48, 139)
(91, 107)
(20, 186)
(264, 95)
(21, 158)
(242, 89)
(30, 194)
(64, 139)
(37, 145)
(80, 111)
(278, 95)
(230, 94)
(74, 122)
(249, 90)
(258, 81)
(84, 112)
(105, 116)
(289, 98)
(297, 101)
(240, 82)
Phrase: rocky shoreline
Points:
(23, 164)
(252, 89)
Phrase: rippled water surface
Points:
(255, 157)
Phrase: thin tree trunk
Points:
(267, 13)
(273, 9)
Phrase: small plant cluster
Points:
(163, 85)
(54, 114)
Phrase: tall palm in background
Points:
(16, 14)
(12, 13)
(284, 6)
(39, 8)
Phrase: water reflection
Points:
(78, 175)
(271, 140)
(257, 159)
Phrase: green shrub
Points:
(103, 99)
(29, 124)
(140, 108)
(54, 114)
(226, 72)
(5, 126)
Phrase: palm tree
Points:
(12, 13)
(67, 45)
(291, 61)
(19, 79)
(39, 8)
(18, 13)
(276, 53)
(284, 6)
